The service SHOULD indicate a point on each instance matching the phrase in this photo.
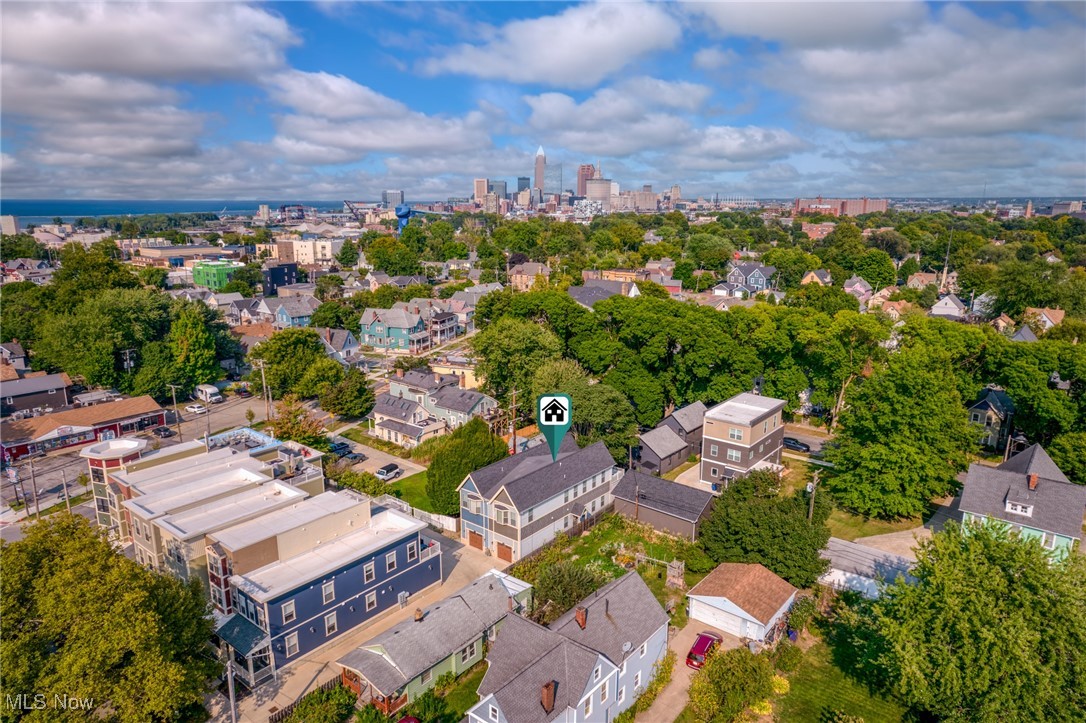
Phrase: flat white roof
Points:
(245, 505)
(744, 408)
(297, 514)
(185, 495)
(274, 579)
(146, 478)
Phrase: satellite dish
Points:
(627, 646)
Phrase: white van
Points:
(208, 393)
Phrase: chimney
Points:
(547, 695)
(328, 334)
(510, 603)
(1032, 481)
(582, 616)
(464, 381)
(437, 378)
(399, 373)
(419, 615)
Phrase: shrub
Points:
(430, 707)
(803, 612)
(729, 683)
(696, 560)
(324, 706)
(370, 714)
(762, 707)
(836, 715)
(780, 685)
(529, 568)
(787, 657)
(661, 676)
(560, 587)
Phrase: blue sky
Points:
(341, 100)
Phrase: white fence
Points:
(441, 522)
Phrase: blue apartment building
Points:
(295, 605)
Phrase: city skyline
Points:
(335, 99)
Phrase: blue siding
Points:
(350, 591)
(470, 517)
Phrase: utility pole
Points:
(34, 489)
(128, 359)
(513, 418)
(67, 498)
(176, 414)
(264, 384)
(637, 501)
(812, 487)
(230, 684)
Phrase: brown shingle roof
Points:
(16, 430)
(750, 586)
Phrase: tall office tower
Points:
(480, 189)
(492, 203)
(498, 188)
(585, 171)
(676, 193)
(552, 179)
(540, 168)
(392, 199)
(599, 190)
(523, 183)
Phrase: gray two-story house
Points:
(48, 391)
(993, 411)
(420, 404)
(518, 504)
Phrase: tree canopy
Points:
(465, 450)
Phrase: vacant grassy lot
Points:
(819, 685)
(412, 490)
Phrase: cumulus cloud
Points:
(331, 96)
(962, 76)
(813, 23)
(714, 58)
(577, 48)
(171, 41)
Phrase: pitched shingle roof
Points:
(458, 400)
(18, 430)
(532, 477)
(589, 296)
(753, 587)
(530, 269)
(1034, 460)
(671, 498)
(999, 401)
(34, 384)
(1024, 334)
(395, 407)
(663, 441)
(395, 318)
(691, 417)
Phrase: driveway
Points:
(376, 459)
(460, 565)
(692, 477)
(672, 699)
(904, 543)
(807, 435)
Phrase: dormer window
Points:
(1020, 509)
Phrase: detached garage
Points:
(746, 600)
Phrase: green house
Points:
(396, 667)
(214, 274)
(1029, 494)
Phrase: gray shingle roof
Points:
(663, 441)
(411, 430)
(396, 407)
(997, 399)
(621, 612)
(672, 498)
(691, 417)
(242, 635)
(532, 477)
(458, 400)
(396, 318)
(447, 626)
(1057, 504)
(33, 385)
(858, 559)
(589, 296)
(297, 306)
(1024, 334)
(427, 380)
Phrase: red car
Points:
(704, 643)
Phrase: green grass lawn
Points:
(674, 474)
(818, 684)
(464, 694)
(848, 526)
(358, 434)
(412, 490)
(687, 716)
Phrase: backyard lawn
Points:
(819, 685)
(464, 692)
(358, 434)
(412, 490)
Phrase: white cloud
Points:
(714, 58)
(331, 96)
(963, 76)
(168, 41)
(577, 48)
(814, 23)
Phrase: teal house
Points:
(394, 329)
(1030, 495)
(396, 667)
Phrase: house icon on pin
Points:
(554, 412)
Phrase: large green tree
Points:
(467, 449)
(1068, 451)
(352, 398)
(21, 246)
(193, 347)
(903, 438)
(293, 421)
(509, 353)
(83, 621)
(752, 522)
(287, 356)
(991, 629)
(729, 683)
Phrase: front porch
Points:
(248, 651)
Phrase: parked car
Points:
(795, 445)
(702, 646)
(162, 432)
(340, 449)
(388, 473)
(244, 393)
(355, 457)
(196, 409)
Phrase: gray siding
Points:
(658, 520)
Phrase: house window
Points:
(493, 713)
(604, 692)
(390, 561)
(412, 551)
(291, 644)
(765, 426)
(371, 601)
(734, 455)
(328, 591)
(565, 497)
(974, 417)
(529, 515)
(596, 675)
(714, 450)
(1048, 540)
(735, 433)
(637, 680)
(468, 653)
(588, 707)
(330, 625)
(503, 517)
(621, 695)
(427, 676)
(593, 505)
(1018, 509)
(289, 614)
(714, 472)
(369, 572)
(623, 673)
(644, 649)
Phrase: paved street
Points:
(807, 435)
(672, 699)
(460, 565)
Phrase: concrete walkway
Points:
(460, 566)
(672, 699)
(904, 543)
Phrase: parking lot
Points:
(375, 459)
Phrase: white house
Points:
(746, 600)
(950, 307)
(861, 568)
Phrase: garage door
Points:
(719, 619)
(505, 552)
(475, 540)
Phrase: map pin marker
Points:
(555, 414)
